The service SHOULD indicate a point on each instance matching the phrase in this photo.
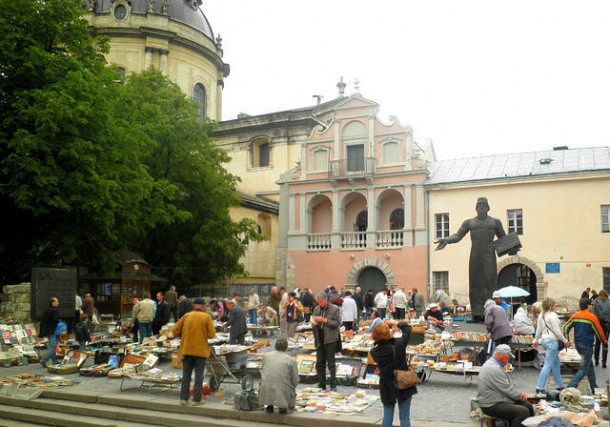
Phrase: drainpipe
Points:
(428, 238)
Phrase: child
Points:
(81, 331)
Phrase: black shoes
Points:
(333, 388)
(540, 391)
(283, 411)
(269, 409)
(44, 365)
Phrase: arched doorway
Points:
(372, 278)
(522, 276)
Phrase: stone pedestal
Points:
(16, 303)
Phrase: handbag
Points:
(405, 379)
(246, 400)
(561, 345)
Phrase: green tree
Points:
(204, 244)
(71, 182)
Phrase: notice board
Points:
(53, 282)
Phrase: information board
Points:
(53, 282)
(552, 267)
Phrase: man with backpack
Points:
(48, 324)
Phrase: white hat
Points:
(496, 294)
(504, 349)
(433, 305)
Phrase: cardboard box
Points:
(176, 362)
(70, 364)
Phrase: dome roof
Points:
(186, 12)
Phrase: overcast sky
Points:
(475, 77)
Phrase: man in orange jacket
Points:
(586, 327)
(194, 330)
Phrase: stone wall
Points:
(15, 306)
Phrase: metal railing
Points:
(390, 239)
(345, 168)
(318, 242)
(353, 240)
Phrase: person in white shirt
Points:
(400, 304)
(253, 303)
(381, 302)
(349, 312)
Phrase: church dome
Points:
(186, 12)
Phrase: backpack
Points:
(246, 400)
(61, 331)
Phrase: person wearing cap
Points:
(194, 329)
(279, 378)
(496, 322)
(434, 316)
(496, 391)
(499, 301)
(236, 323)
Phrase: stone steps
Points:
(69, 408)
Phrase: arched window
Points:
(199, 96)
(260, 153)
(120, 75)
(264, 226)
(361, 221)
(397, 219)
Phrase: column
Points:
(335, 235)
(420, 222)
(371, 228)
(163, 61)
(291, 213)
(303, 214)
(408, 228)
(148, 56)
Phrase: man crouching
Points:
(279, 378)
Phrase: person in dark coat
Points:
(326, 321)
(357, 296)
(307, 301)
(236, 323)
(162, 314)
(369, 304)
(48, 323)
(81, 332)
(185, 306)
(389, 354)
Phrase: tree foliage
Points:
(204, 244)
(89, 165)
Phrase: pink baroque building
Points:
(352, 212)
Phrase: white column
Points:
(371, 235)
(303, 161)
(408, 228)
(335, 235)
(420, 224)
(371, 144)
(303, 215)
(148, 56)
(163, 61)
(291, 213)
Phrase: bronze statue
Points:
(482, 268)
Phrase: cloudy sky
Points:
(475, 77)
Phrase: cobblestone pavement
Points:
(442, 398)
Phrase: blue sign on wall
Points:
(552, 267)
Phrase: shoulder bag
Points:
(560, 344)
(405, 379)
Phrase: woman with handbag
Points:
(549, 335)
(389, 354)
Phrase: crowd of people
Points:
(331, 310)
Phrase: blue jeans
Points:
(367, 312)
(551, 362)
(253, 316)
(190, 364)
(50, 353)
(586, 367)
(404, 413)
(145, 329)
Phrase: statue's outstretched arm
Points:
(454, 238)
